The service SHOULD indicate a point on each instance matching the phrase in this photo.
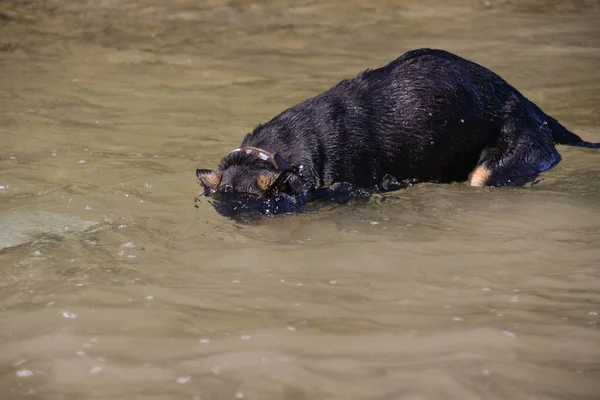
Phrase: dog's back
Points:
(425, 116)
(429, 114)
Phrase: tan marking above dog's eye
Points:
(264, 181)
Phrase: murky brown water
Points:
(114, 286)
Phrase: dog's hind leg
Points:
(518, 157)
(481, 175)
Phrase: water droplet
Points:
(24, 373)
(246, 337)
(239, 395)
(81, 162)
(122, 226)
(509, 333)
(291, 328)
(128, 245)
(282, 280)
(457, 319)
(149, 297)
(374, 222)
(69, 315)
(235, 281)
(12, 157)
(80, 353)
(515, 299)
(131, 256)
(37, 253)
(594, 313)
(205, 340)
(333, 281)
(88, 208)
(486, 289)
(183, 379)
(299, 284)
(486, 372)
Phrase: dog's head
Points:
(250, 172)
(253, 181)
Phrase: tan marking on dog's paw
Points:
(480, 176)
(265, 180)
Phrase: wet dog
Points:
(428, 116)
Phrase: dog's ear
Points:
(209, 179)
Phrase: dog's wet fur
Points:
(428, 116)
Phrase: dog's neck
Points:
(275, 159)
(277, 137)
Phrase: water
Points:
(114, 286)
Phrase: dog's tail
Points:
(562, 135)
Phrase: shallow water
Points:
(114, 286)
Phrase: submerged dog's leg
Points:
(515, 160)
(523, 149)
(513, 168)
(480, 176)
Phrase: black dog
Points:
(428, 116)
